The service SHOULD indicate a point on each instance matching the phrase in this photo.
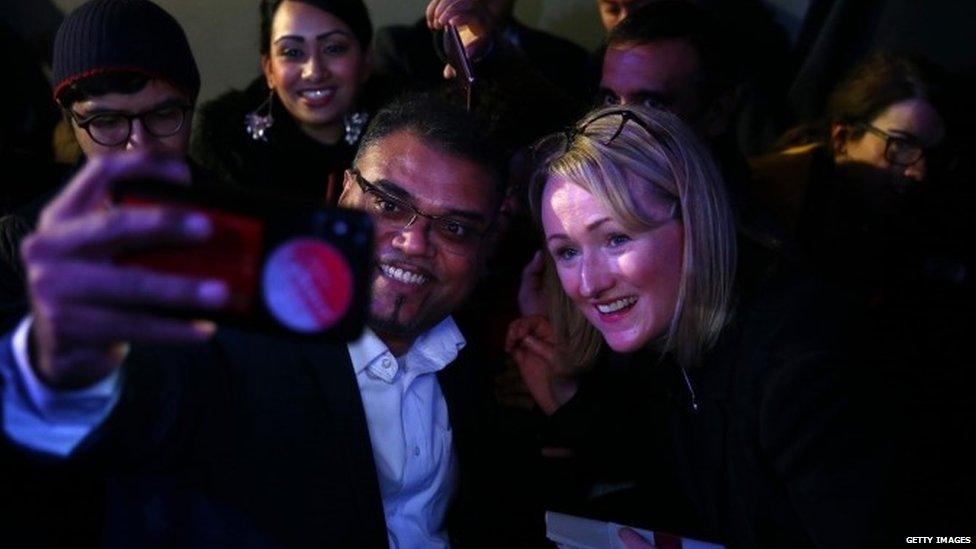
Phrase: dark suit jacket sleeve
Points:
(150, 441)
(496, 502)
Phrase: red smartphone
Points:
(292, 268)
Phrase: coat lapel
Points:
(333, 371)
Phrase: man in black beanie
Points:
(125, 77)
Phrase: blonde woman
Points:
(674, 359)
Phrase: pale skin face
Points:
(418, 279)
(662, 74)
(615, 11)
(912, 119)
(316, 67)
(625, 281)
(157, 94)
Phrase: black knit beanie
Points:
(108, 36)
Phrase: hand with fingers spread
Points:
(84, 305)
(531, 343)
(472, 19)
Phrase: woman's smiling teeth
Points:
(318, 94)
(402, 275)
(613, 307)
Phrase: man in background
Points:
(406, 52)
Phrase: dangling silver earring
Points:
(259, 121)
(355, 123)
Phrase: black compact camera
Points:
(289, 267)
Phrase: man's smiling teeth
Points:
(317, 94)
(401, 275)
(616, 305)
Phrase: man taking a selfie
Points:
(267, 438)
(125, 79)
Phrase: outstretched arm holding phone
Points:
(61, 368)
(83, 304)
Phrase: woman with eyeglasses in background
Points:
(873, 202)
(692, 384)
(849, 180)
(882, 204)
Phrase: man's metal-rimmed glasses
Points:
(393, 211)
(111, 129)
(901, 151)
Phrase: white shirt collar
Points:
(437, 347)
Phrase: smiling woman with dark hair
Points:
(296, 128)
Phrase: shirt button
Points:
(416, 450)
(387, 363)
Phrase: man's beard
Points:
(392, 324)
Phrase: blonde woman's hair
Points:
(607, 151)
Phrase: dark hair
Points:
(351, 12)
(880, 81)
(679, 19)
(103, 84)
(875, 84)
(442, 125)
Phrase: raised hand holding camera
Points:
(167, 254)
(83, 303)
(468, 27)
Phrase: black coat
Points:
(253, 441)
(289, 162)
(764, 445)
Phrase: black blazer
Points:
(252, 440)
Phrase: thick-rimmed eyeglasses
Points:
(111, 129)
(901, 151)
(393, 211)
